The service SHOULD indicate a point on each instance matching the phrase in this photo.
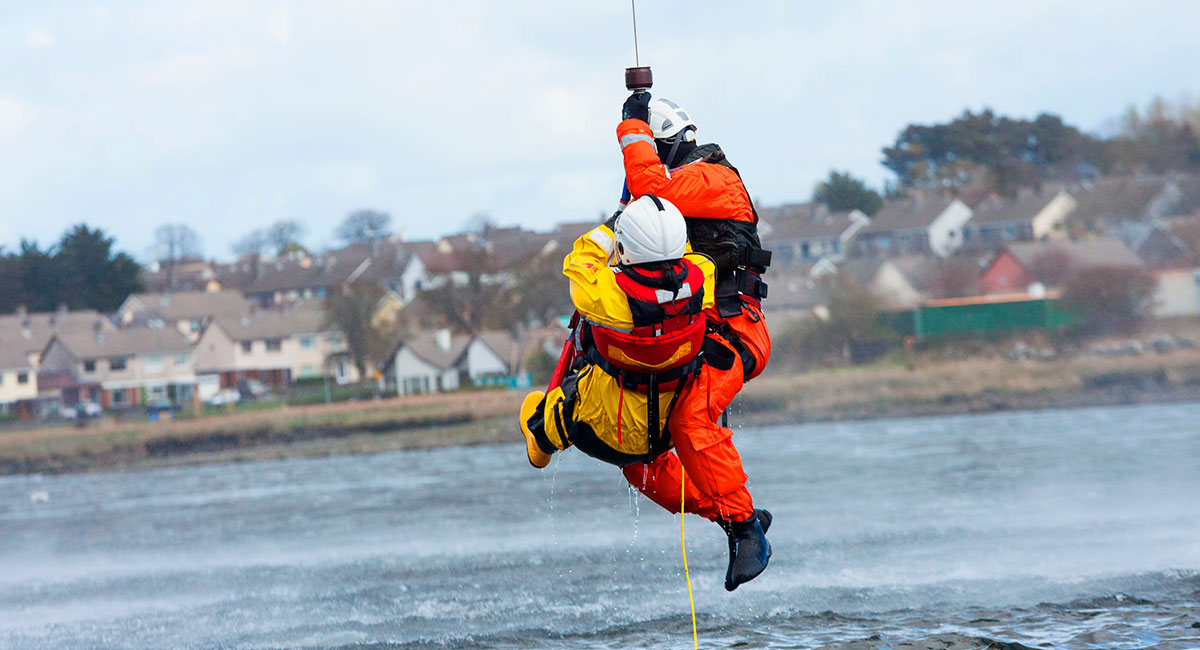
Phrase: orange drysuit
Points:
(716, 489)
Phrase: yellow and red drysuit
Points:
(641, 345)
(722, 223)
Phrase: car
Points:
(160, 410)
(225, 397)
(86, 409)
(252, 389)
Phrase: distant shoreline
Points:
(488, 416)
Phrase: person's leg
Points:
(751, 329)
(705, 448)
(659, 480)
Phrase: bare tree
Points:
(364, 226)
(255, 243)
(173, 243)
(351, 310)
(283, 234)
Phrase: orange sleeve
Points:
(700, 190)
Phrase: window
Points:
(118, 397)
(22, 378)
(181, 360)
(273, 345)
(246, 346)
(119, 363)
(307, 372)
(307, 342)
(89, 365)
(196, 324)
(152, 364)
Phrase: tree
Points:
(284, 233)
(472, 298)
(848, 329)
(539, 293)
(1110, 299)
(254, 244)
(92, 276)
(843, 192)
(351, 311)
(985, 148)
(173, 243)
(362, 226)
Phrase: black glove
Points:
(637, 107)
(612, 221)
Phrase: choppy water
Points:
(1068, 529)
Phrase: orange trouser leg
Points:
(705, 450)
(659, 480)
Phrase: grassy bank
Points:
(928, 387)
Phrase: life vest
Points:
(733, 245)
(664, 344)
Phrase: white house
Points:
(1177, 293)
(925, 223)
(430, 362)
(1030, 216)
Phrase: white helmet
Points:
(650, 229)
(668, 118)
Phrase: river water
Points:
(1062, 529)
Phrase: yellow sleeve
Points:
(710, 275)
(594, 287)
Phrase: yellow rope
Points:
(683, 545)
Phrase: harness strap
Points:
(743, 351)
(636, 380)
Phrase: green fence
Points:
(982, 318)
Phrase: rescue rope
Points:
(683, 544)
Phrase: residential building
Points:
(1177, 292)
(430, 362)
(132, 366)
(800, 234)
(922, 224)
(275, 346)
(1103, 205)
(1031, 215)
(30, 332)
(187, 311)
(18, 378)
(1050, 263)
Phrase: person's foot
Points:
(537, 457)
(749, 550)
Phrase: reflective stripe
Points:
(627, 140)
(602, 238)
(665, 296)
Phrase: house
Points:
(794, 292)
(1177, 292)
(1031, 215)
(284, 280)
(274, 346)
(922, 224)
(187, 311)
(189, 274)
(1159, 247)
(18, 379)
(902, 282)
(1104, 204)
(30, 332)
(1020, 264)
(429, 362)
(799, 234)
(132, 366)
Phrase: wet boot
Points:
(531, 419)
(749, 550)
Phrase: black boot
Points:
(749, 550)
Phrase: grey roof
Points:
(191, 304)
(791, 289)
(1022, 208)
(31, 332)
(504, 345)
(803, 221)
(908, 214)
(13, 357)
(921, 271)
(1106, 251)
(1117, 199)
(303, 317)
(126, 342)
(424, 345)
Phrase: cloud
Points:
(40, 38)
(14, 116)
(194, 69)
(279, 26)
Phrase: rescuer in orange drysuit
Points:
(661, 158)
(642, 349)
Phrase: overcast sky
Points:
(228, 115)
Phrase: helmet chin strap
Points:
(675, 142)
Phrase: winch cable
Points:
(636, 61)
